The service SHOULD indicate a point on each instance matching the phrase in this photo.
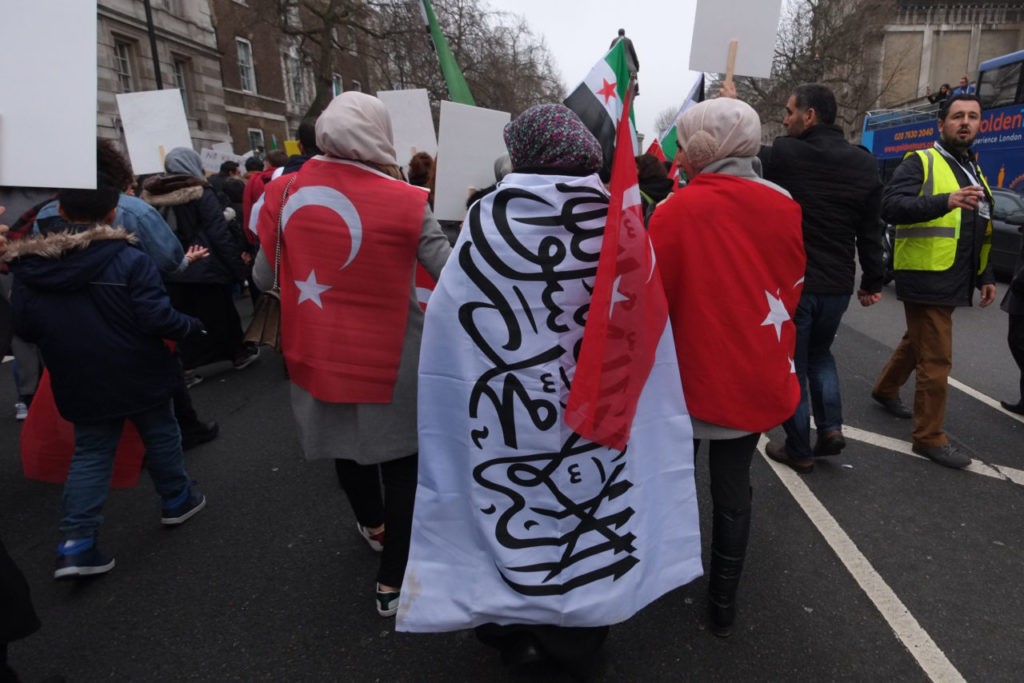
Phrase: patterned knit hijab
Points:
(551, 136)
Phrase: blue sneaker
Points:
(80, 557)
(179, 512)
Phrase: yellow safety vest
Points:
(931, 245)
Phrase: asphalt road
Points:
(878, 566)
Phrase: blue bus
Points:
(1000, 144)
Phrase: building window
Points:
(173, 7)
(256, 139)
(336, 84)
(294, 77)
(245, 66)
(123, 66)
(181, 81)
(355, 85)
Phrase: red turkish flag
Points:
(627, 313)
(656, 150)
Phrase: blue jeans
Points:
(92, 466)
(817, 319)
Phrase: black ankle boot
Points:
(729, 532)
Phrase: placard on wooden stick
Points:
(154, 124)
(48, 112)
(470, 140)
(411, 123)
(751, 23)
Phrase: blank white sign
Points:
(411, 123)
(154, 124)
(48, 111)
(753, 23)
(470, 140)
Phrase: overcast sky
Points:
(577, 32)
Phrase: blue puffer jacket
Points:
(98, 310)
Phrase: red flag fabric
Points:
(627, 313)
(48, 442)
(730, 251)
(349, 244)
(425, 284)
(656, 150)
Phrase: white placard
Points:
(213, 158)
(469, 142)
(411, 123)
(48, 110)
(154, 124)
(753, 23)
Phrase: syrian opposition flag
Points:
(599, 102)
(667, 140)
(626, 317)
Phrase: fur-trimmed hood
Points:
(65, 260)
(172, 189)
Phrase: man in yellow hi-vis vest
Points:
(941, 205)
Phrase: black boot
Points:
(729, 532)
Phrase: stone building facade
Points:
(930, 43)
(188, 59)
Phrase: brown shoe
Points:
(780, 454)
(829, 443)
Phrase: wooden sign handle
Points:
(730, 62)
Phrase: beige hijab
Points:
(357, 126)
(719, 128)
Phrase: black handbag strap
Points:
(277, 249)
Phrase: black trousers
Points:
(214, 304)
(1015, 339)
(729, 466)
(392, 507)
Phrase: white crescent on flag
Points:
(327, 197)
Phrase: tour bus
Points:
(890, 134)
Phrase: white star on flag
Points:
(617, 295)
(310, 289)
(776, 314)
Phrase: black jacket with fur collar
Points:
(98, 311)
(194, 212)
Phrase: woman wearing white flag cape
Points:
(522, 528)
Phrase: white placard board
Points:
(470, 140)
(213, 158)
(411, 123)
(48, 109)
(753, 23)
(154, 124)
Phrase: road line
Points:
(984, 398)
(909, 632)
(904, 447)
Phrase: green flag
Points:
(458, 91)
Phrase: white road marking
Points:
(891, 444)
(909, 632)
(987, 400)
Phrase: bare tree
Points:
(504, 64)
(834, 42)
(665, 119)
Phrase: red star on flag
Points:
(608, 91)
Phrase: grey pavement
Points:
(272, 583)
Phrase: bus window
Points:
(1000, 86)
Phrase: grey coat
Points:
(369, 433)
